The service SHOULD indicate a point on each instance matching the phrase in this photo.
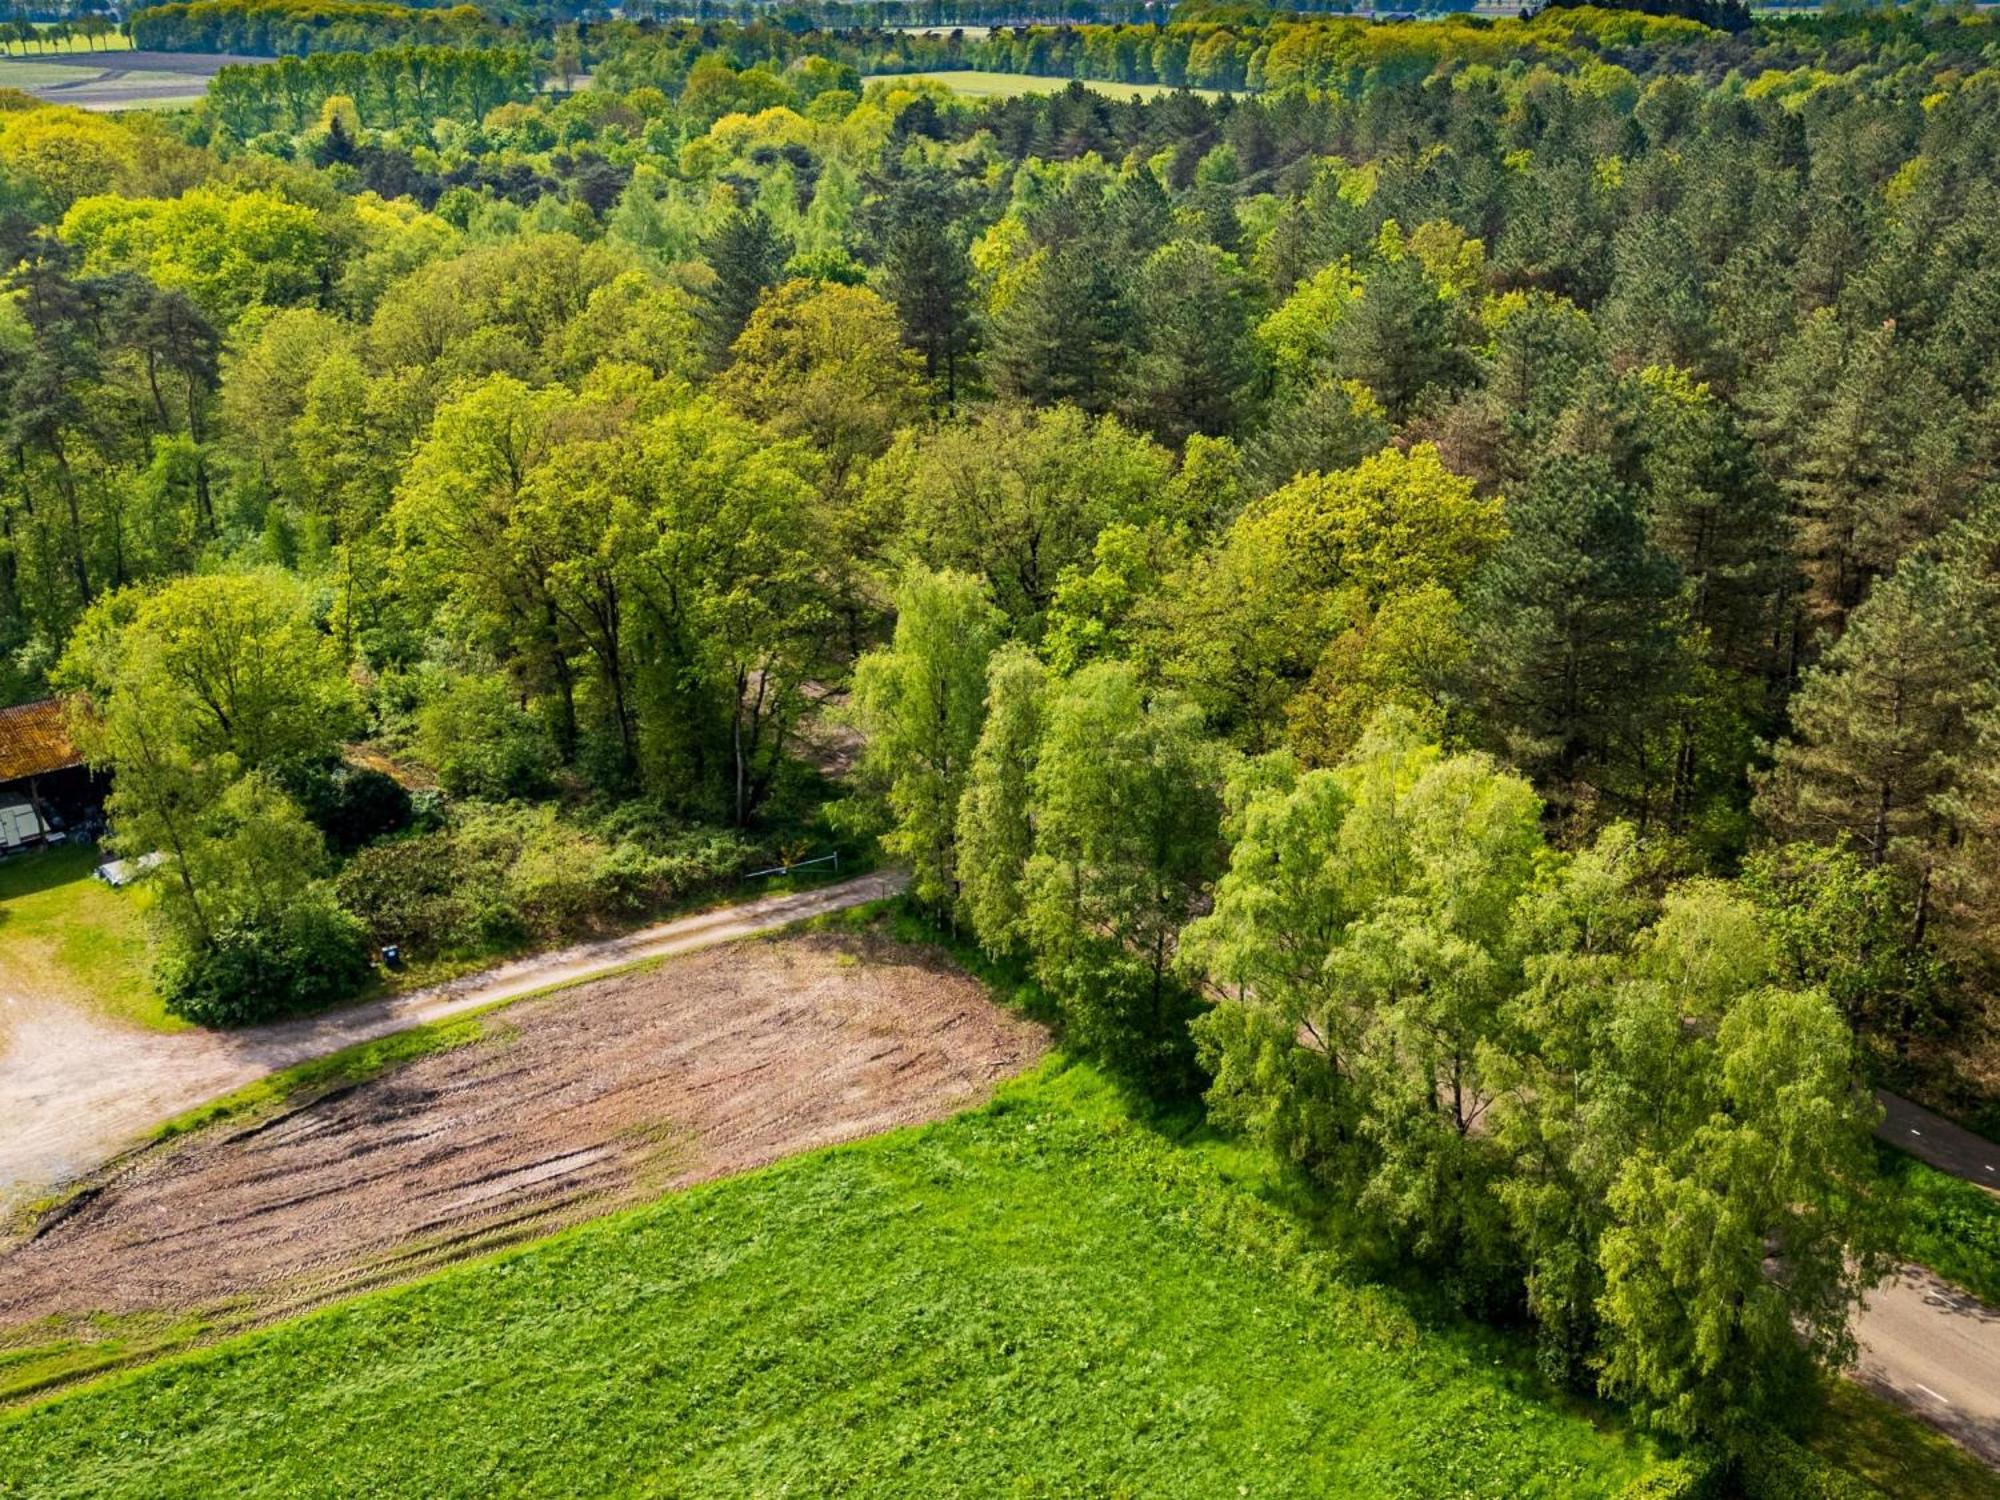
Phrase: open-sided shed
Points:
(45, 788)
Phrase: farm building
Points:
(45, 788)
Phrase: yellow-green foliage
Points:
(228, 251)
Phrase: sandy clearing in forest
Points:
(707, 1065)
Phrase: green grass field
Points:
(1039, 1298)
(32, 75)
(66, 934)
(976, 85)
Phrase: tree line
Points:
(275, 28)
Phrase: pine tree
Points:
(929, 278)
(1883, 729)
(1574, 653)
(747, 254)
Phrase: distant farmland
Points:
(117, 79)
(979, 85)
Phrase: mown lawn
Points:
(1041, 1298)
(31, 75)
(67, 935)
(978, 85)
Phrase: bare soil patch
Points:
(707, 1065)
(74, 1090)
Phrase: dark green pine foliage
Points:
(1575, 660)
(748, 255)
(1400, 339)
(1196, 366)
(1064, 334)
(928, 276)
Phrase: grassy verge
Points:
(61, 1351)
(349, 1066)
(1041, 1297)
(1945, 1223)
(1860, 1434)
(66, 934)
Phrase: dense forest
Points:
(1447, 604)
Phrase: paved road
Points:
(1924, 1343)
(1934, 1139)
(1930, 1347)
(75, 1090)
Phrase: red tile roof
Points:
(34, 740)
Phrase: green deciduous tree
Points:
(1018, 496)
(1362, 941)
(921, 702)
(1126, 797)
(996, 829)
(825, 363)
(1251, 619)
(191, 695)
(1740, 1239)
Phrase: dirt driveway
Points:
(613, 1091)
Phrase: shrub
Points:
(431, 894)
(1692, 1476)
(482, 743)
(360, 807)
(314, 954)
(506, 875)
(351, 805)
(1773, 1467)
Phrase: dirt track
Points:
(708, 1065)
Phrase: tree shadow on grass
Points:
(31, 874)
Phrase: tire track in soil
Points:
(710, 1064)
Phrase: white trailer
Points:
(20, 825)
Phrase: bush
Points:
(315, 954)
(364, 806)
(1773, 1467)
(351, 805)
(502, 876)
(482, 743)
(431, 894)
(1692, 1476)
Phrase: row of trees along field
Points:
(1203, 45)
(1452, 612)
